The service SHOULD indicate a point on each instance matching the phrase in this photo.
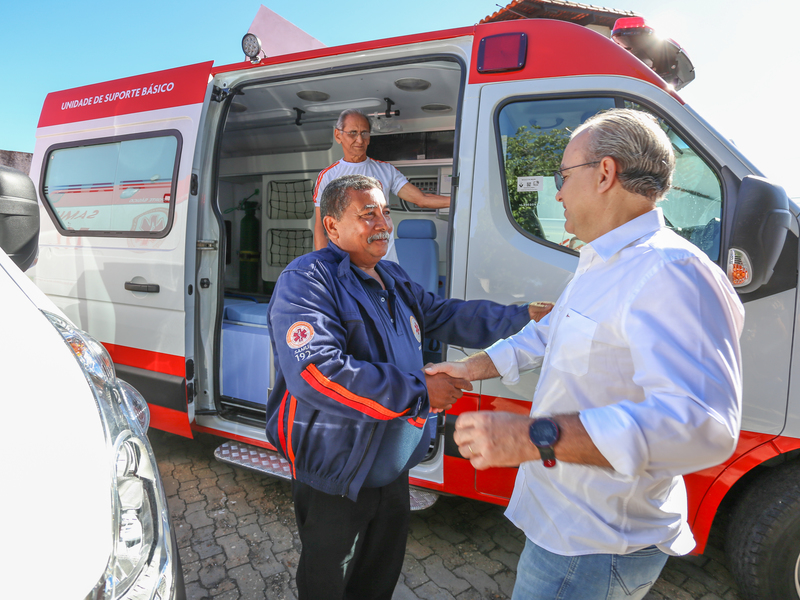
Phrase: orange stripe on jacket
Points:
(290, 450)
(281, 429)
(333, 390)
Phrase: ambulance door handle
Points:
(151, 288)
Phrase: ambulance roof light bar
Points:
(664, 56)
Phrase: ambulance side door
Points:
(113, 166)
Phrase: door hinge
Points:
(219, 94)
(454, 181)
(193, 185)
(207, 245)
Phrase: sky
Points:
(744, 53)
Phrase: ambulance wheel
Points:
(763, 537)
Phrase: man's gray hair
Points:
(335, 198)
(636, 142)
(349, 113)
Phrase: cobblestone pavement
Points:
(237, 539)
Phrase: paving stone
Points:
(198, 519)
(212, 572)
(250, 582)
(265, 561)
(443, 576)
(430, 591)
(238, 540)
(403, 592)
(509, 559)
(417, 549)
(481, 581)
(195, 591)
(505, 580)
(414, 572)
(236, 549)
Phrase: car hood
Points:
(55, 511)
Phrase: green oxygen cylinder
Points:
(249, 256)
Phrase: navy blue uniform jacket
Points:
(334, 391)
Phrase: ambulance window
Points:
(533, 135)
(121, 188)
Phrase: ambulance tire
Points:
(763, 537)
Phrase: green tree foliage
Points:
(532, 151)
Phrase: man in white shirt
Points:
(640, 380)
(352, 131)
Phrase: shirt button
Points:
(383, 299)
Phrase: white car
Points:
(83, 513)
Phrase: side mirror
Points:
(19, 217)
(760, 224)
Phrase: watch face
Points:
(543, 432)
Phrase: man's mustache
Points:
(383, 235)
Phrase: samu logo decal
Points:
(299, 334)
(415, 329)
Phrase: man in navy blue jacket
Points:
(351, 400)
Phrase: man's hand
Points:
(459, 370)
(494, 439)
(443, 390)
(538, 310)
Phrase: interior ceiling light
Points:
(412, 84)
(312, 96)
(437, 108)
(362, 103)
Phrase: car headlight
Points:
(141, 563)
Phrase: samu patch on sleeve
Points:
(299, 335)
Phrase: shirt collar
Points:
(388, 280)
(345, 267)
(607, 245)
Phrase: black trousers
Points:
(351, 550)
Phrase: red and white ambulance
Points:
(172, 200)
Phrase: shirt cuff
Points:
(618, 438)
(504, 358)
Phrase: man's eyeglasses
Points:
(354, 134)
(560, 178)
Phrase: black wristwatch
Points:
(544, 434)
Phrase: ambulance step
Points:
(264, 461)
(269, 462)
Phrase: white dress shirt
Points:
(644, 345)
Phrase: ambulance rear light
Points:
(739, 268)
(502, 53)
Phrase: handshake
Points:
(447, 381)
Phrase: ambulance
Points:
(171, 201)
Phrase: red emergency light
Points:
(664, 56)
(502, 53)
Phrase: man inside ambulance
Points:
(352, 131)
